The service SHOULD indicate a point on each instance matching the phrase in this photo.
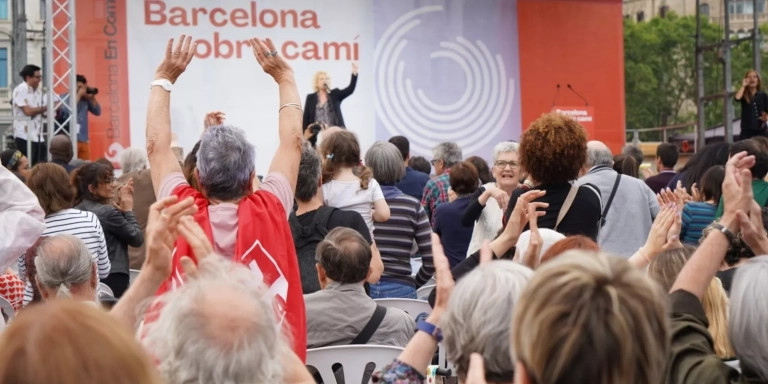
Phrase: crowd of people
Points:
(556, 262)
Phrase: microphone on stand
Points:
(557, 94)
(586, 103)
(327, 89)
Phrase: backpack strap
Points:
(323, 215)
(372, 326)
(566, 205)
(610, 198)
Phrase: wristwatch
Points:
(431, 329)
(165, 83)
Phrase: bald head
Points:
(222, 326)
(61, 148)
(219, 327)
(598, 154)
(65, 268)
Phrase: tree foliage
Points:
(660, 71)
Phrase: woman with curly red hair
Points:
(552, 151)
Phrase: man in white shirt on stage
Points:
(28, 108)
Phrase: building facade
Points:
(741, 11)
(35, 14)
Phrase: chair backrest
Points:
(410, 306)
(423, 292)
(735, 364)
(132, 274)
(105, 290)
(357, 362)
(6, 309)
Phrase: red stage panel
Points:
(577, 42)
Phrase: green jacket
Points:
(759, 190)
(692, 356)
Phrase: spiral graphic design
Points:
(472, 121)
(113, 152)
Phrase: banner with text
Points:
(444, 70)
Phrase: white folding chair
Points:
(6, 309)
(357, 362)
(415, 266)
(105, 290)
(414, 308)
(735, 364)
(132, 274)
(410, 306)
(423, 292)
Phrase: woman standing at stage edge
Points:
(324, 105)
(754, 106)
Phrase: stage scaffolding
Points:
(60, 71)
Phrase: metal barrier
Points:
(663, 130)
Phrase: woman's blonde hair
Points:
(715, 303)
(591, 318)
(317, 76)
(71, 342)
(664, 270)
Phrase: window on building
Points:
(663, 11)
(745, 7)
(3, 67)
(3, 9)
(704, 10)
(640, 16)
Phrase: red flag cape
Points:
(265, 245)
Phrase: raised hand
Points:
(486, 253)
(519, 217)
(666, 198)
(443, 277)
(162, 231)
(177, 58)
(500, 196)
(752, 229)
(696, 193)
(198, 241)
(533, 252)
(476, 372)
(737, 186)
(354, 67)
(683, 195)
(125, 197)
(213, 119)
(664, 235)
(272, 63)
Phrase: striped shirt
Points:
(696, 216)
(395, 237)
(81, 224)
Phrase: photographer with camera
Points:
(312, 131)
(86, 102)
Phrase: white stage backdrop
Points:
(430, 70)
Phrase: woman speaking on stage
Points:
(754, 106)
(324, 105)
